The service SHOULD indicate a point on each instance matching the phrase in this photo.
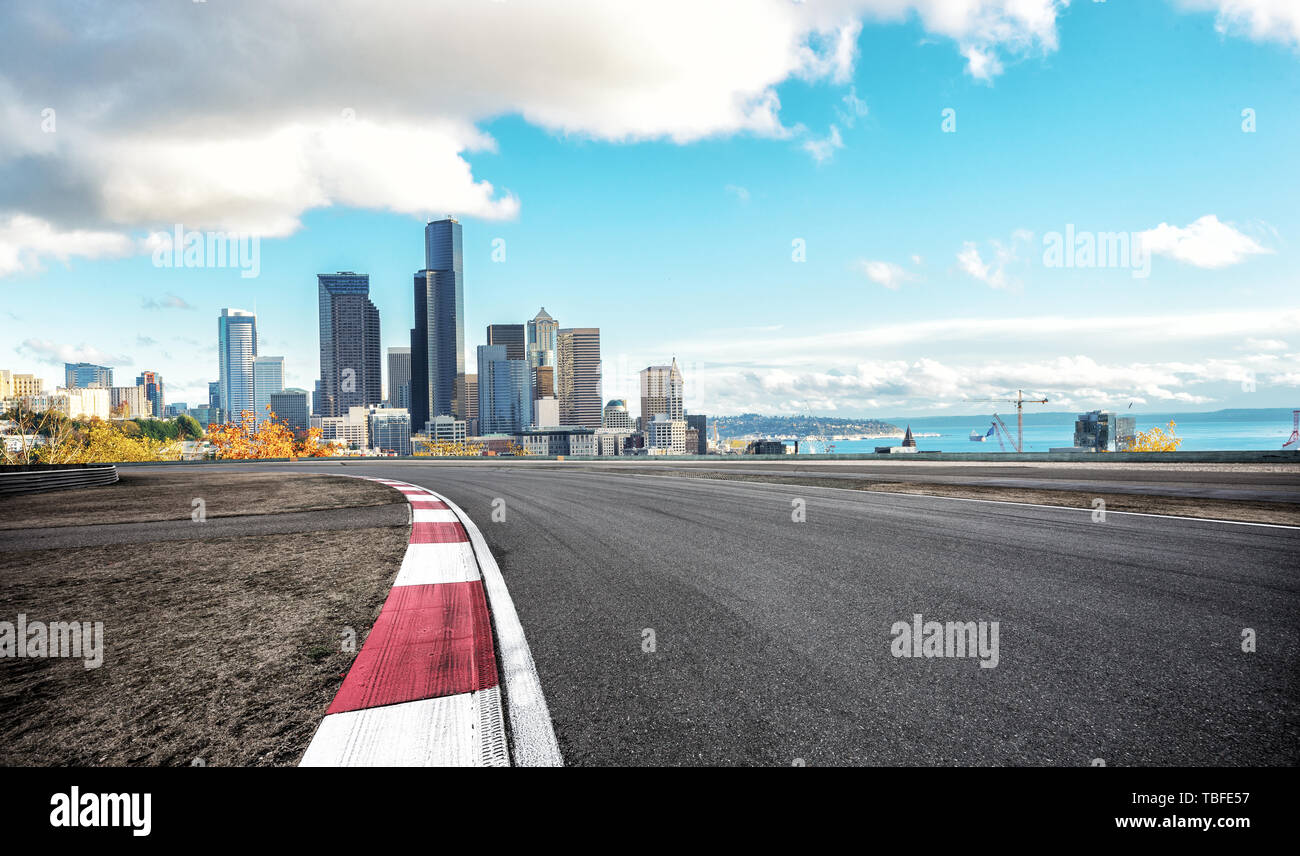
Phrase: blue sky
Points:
(923, 281)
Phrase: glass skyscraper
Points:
(268, 379)
(438, 338)
(503, 405)
(350, 360)
(236, 349)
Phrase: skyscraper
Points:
(86, 376)
(541, 339)
(153, 387)
(350, 359)
(290, 407)
(268, 379)
(399, 377)
(438, 338)
(503, 406)
(578, 376)
(236, 348)
(662, 391)
(510, 335)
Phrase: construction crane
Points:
(1019, 401)
(1001, 431)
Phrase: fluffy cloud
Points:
(1262, 20)
(888, 274)
(129, 117)
(55, 353)
(993, 273)
(878, 369)
(1205, 243)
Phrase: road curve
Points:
(1119, 640)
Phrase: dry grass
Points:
(227, 649)
(141, 497)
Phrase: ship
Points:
(977, 437)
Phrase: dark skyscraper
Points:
(438, 338)
(510, 335)
(350, 360)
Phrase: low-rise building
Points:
(559, 440)
(446, 429)
(389, 428)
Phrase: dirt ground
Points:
(140, 497)
(1283, 513)
(225, 650)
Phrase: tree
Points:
(513, 448)
(1155, 439)
(188, 428)
(248, 439)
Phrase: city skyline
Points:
(839, 244)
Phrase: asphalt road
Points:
(1118, 640)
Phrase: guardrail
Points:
(41, 477)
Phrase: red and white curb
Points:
(425, 689)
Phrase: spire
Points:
(908, 439)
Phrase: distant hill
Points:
(801, 426)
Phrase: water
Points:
(1220, 430)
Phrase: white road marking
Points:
(434, 515)
(429, 564)
(437, 732)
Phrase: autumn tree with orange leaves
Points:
(270, 438)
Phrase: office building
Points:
(509, 335)
(438, 338)
(389, 429)
(1104, 431)
(350, 361)
(446, 429)
(26, 384)
(290, 407)
(559, 440)
(315, 399)
(214, 393)
(611, 441)
(546, 412)
(399, 377)
(153, 385)
(351, 430)
(503, 406)
(665, 436)
(86, 376)
(268, 379)
(541, 339)
(577, 375)
(471, 397)
(236, 350)
(662, 391)
(616, 416)
(129, 402)
(698, 423)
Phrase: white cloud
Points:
(55, 353)
(25, 241)
(994, 273)
(1205, 243)
(981, 64)
(378, 105)
(824, 148)
(854, 108)
(1262, 20)
(888, 274)
(741, 193)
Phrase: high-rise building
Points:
(577, 376)
(236, 350)
(87, 376)
(503, 406)
(28, 384)
(350, 361)
(699, 423)
(214, 393)
(438, 338)
(290, 407)
(510, 335)
(399, 377)
(268, 379)
(315, 399)
(665, 436)
(541, 339)
(153, 386)
(662, 391)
